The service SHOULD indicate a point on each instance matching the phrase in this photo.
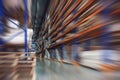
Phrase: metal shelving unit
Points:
(78, 25)
(16, 65)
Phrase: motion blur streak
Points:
(73, 40)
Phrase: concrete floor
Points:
(51, 70)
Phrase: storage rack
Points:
(14, 66)
(22, 19)
(72, 26)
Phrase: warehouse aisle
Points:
(50, 70)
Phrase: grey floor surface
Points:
(51, 70)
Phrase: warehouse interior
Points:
(59, 39)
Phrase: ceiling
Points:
(38, 10)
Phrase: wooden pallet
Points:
(13, 66)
